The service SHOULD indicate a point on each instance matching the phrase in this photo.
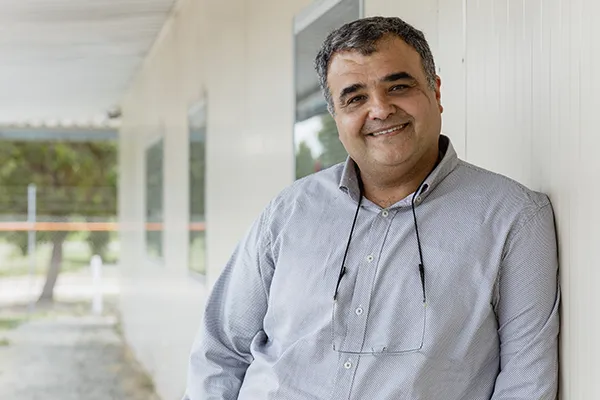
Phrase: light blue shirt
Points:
(488, 329)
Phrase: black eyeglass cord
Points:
(343, 268)
(421, 264)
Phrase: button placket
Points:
(363, 290)
(380, 227)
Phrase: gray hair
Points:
(362, 35)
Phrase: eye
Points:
(356, 99)
(397, 88)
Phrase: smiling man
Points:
(403, 273)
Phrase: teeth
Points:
(390, 130)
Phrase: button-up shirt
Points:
(488, 328)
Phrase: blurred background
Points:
(140, 139)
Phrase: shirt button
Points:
(370, 258)
(348, 364)
(385, 213)
(419, 199)
(359, 311)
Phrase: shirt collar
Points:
(449, 160)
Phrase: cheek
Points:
(419, 102)
(415, 106)
(422, 111)
(349, 125)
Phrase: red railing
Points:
(83, 226)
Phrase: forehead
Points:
(392, 55)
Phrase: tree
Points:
(73, 179)
(333, 150)
(305, 163)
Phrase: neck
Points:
(386, 188)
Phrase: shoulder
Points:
(321, 185)
(500, 186)
(304, 200)
(499, 193)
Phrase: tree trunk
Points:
(47, 295)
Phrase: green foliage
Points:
(98, 242)
(333, 150)
(10, 323)
(305, 163)
(154, 182)
(197, 180)
(71, 178)
(74, 180)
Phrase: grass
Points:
(76, 255)
(4, 342)
(9, 323)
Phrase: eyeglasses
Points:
(416, 340)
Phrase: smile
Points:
(390, 131)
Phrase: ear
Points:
(438, 93)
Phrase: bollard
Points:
(97, 301)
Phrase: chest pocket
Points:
(380, 308)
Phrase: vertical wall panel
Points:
(498, 86)
(531, 114)
(450, 60)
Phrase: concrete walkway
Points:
(69, 358)
(64, 352)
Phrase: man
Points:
(403, 273)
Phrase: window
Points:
(316, 141)
(197, 162)
(154, 199)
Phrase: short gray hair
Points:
(362, 35)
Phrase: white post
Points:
(97, 301)
(31, 217)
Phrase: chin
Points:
(391, 159)
(389, 162)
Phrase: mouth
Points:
(390, 131)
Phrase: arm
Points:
(527, 311)
(233, 317)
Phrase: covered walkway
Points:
(217, 109)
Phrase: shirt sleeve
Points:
(527, 312)
(233, 319)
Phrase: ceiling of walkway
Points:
(68, 62)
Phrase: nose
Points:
(380, 108)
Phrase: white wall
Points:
(517, 89)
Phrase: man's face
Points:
(386, 113)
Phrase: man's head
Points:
(378, 74)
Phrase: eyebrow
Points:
(397, 76)
(350, 89)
